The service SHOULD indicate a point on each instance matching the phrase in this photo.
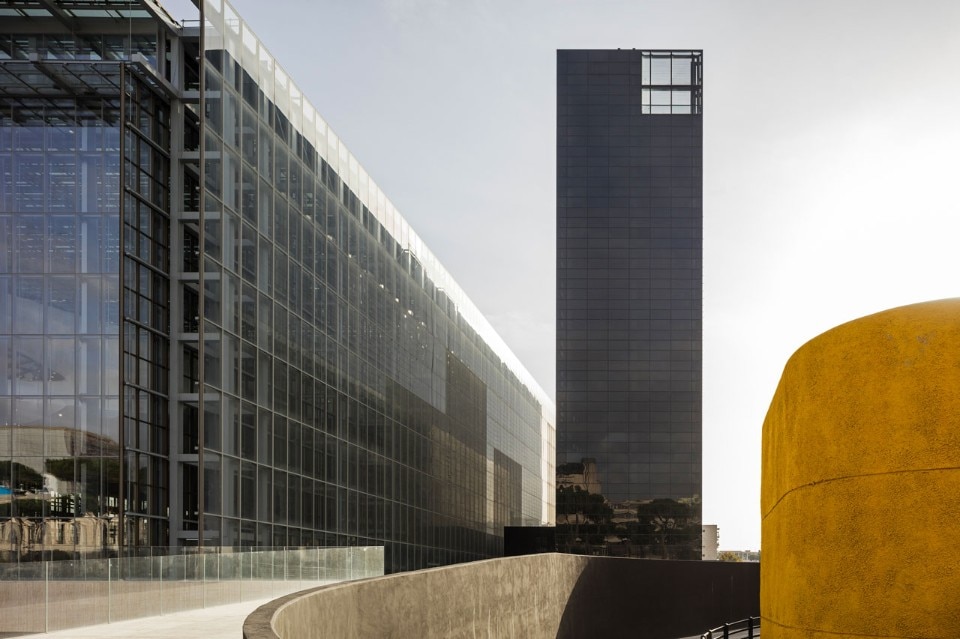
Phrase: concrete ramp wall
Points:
(547, 595)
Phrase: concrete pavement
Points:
(217, 622)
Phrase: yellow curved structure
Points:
(860, 494)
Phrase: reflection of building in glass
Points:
(214, 327)
(581, 475)
(629, 279)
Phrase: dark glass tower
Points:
(629, 302)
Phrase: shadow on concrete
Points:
(541, 596)
(653, 599)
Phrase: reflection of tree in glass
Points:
(669, 524)
(63, 468)
(591, 507)
(23, 481)
(25, 507)
(21, 477)
(584, 513)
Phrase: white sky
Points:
(830, 171)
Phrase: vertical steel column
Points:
(121, 495)
(201, 293)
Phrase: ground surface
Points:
(218, 622)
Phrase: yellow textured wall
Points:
(860, 493)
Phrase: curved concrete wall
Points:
(547, 595)
(861, 481)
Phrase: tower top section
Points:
(668, 81)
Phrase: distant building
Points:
(710, 534)
(629, 281)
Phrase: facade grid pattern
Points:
(295, 367)
(629, 280)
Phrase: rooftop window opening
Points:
(672, 82)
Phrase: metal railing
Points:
(748, 628)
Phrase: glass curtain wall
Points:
(629, 302)
(83, 145)
(146, 315)
(60, 320)
(216, 330)
(350, 393)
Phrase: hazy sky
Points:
(830, 172)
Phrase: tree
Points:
(728, 555)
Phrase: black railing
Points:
(748, 628)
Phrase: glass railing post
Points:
(46, 596)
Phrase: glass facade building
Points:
(629, 302)
(215, 329)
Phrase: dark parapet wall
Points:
(529, 540)
(657, 599)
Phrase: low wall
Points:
(546, 595)
(58, 595)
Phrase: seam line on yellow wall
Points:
(843, 477)
(767, 620)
